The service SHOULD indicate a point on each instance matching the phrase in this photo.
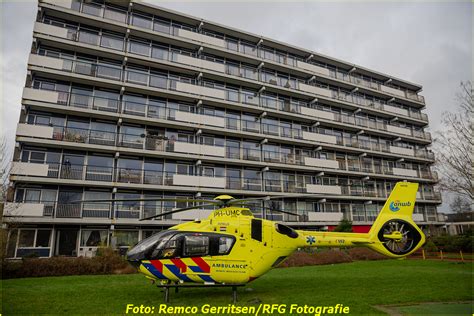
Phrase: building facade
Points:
(135, 101)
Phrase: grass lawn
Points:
(359, 285)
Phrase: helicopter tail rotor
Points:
(394, 233)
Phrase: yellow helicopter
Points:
(233, 247)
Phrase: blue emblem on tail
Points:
(310, 240)
(393, 207)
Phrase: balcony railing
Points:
(147, 141)
(153, 111)
(286, 183)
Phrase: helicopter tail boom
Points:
(394, 233)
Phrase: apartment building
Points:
(130, 100)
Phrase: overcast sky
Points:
(426, 43)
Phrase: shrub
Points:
(302, 258)
(344, 226)
(455, 243)
(365, 254)
(106, 262)
(430, 246)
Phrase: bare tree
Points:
(454, 146)
(460, 204)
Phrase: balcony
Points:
(24, 209)
(149, 141)
(323, 163)
(28, 130)
(325, 216)
(402, 151)
(199, 119)
(29, 169)
(319, 138)
(323, 189)
(199, 181)
(199, 149)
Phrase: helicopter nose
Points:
(135, 263)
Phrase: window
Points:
(93, 238)
(126, 238)
(42, 238)
(195, 246)
(32, 196)
(27, 238)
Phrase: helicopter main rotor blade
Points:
(215, 202)
(177, 211)
(265, 198)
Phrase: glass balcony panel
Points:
(109, 72)
(99, 173)
(116, 15)
(72, 172)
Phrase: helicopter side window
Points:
(225, 244)
(196, 246)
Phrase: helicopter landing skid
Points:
(166, 288)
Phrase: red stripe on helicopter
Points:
(180, 264)
(202, 264)
(157, 264)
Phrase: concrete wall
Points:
(199, 149)
(50, 29)
(200, 90)
(316, 90)
(392, 91)
(200, 119)
(402, 151)
(34, 131)
(24, 209)
(60, 3)
(396, 110)
(43, 61)
(29, 169)
(398, 130)
(201, 38)
(198, 181)
(325, 163)
(320, 137)
(324, 217)
(405, 172)
(313, 68)
(323, 189)
(187, 60)
(40, 95)
(317, 113)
